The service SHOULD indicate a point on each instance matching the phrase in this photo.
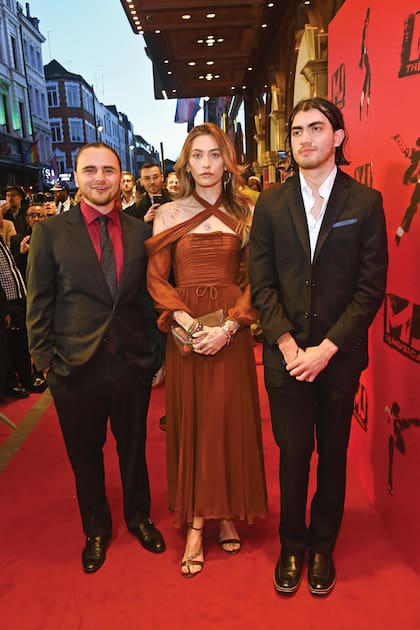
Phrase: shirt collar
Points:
(326, 186)
(91, 214)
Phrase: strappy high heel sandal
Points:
(191, 561)
(230, 541)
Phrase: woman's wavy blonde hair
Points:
(234, 201)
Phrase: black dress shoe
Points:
(94, 553)
(321, 573)
(150, 537)
(17, 392)
(288, 572)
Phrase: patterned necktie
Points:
(107, 256)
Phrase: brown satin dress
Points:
(215, 462)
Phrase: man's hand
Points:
(150, 214)
(310, 362)
(159, 377)
(24, 245)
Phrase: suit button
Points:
(307, 283)
(307, 315)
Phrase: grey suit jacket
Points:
(337, 294)
(69, 306)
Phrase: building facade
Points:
(25, 142)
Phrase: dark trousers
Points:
(106, 387)
(17, 344)
(300, 412)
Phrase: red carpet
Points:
(42, 586)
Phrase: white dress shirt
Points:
(314, 224)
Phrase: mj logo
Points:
(410, 50)
(360, 409)
(402, 326)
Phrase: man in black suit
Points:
(92, 331)
(155, 194)
(318, 261)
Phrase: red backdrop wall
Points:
(374, 76)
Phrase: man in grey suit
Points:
(92, 331)
(318, 262)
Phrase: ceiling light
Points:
(200, 41)
(191, 63)
(264, 25)
(186, 16)
(169, 71)
(209, 63)
(157, 31)
(166, 61)
(270, 5)
(210, 15)
(173, 91)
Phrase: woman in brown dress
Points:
(215, 462)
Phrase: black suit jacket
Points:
(337, 294)
(139, 209)
(69, 306)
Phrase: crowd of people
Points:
(168, 280)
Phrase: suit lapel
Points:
(77, 231)
(339, 194)
(297, 212)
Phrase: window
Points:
(72, 94)
(53, 96)
(56, 130)
(60, 156)
(76, 130)
(4, 115)
(87, 101)
(90, 132)
(22, 117)
(15, 56)
(39, 61)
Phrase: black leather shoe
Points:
(288, 572)
(17, 392)
(321, 573)
(94, 553)
(150, 537)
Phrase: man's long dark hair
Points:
(331, 112)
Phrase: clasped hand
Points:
(308, 363)
(209, 340)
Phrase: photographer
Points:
(155, 194)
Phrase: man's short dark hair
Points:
(96, 145)
(330, 111)
(149, 165)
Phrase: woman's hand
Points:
(210, 340)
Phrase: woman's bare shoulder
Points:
(172, 213)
